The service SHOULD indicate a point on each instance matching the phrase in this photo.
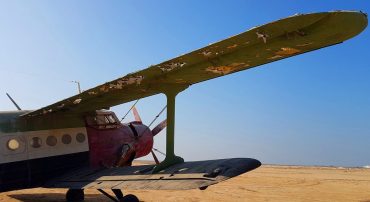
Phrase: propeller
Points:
(136, 114)
(157, 129)
(162, 125)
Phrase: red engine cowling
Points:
(106, 144)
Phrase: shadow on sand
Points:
(55, 197)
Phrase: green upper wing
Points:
(260, 45)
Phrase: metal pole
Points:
(78, 85)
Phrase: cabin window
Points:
(51, 140)
(36, 142)
(103, 121)
(13, 144)
(66, 139)
(80, 137)
(111, 119)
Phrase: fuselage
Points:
(31, 155)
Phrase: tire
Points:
(75, 195)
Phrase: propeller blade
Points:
(136, 114)
(159, 127)
(155, 157)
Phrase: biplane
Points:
(77, 143)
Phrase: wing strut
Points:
(171, 158)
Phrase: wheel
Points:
(75, 195)
(203, 188)
(129, 198)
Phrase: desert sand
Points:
(267, 183)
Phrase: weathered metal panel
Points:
(188, 175)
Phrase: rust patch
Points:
(262, 36)
(127, 81)
(287, 51)
(104, 89)
(206, 53)
(232, 46)
(92, 93)
(116, 86)
(170, 66)
(77, 101)
(47, 111)
(226, 69)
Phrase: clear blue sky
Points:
(313, 109)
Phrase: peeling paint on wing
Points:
(226, 69)
(77, 101)
(232, 46)
(287, 51)
(47, 111)
(92, 93)
(116, 86)
(104, 89)
(206, 53)
(262, 36)
(128, 81)
(171, 66)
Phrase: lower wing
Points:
(188, 175)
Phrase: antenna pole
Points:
(15, 104)
(78, 85)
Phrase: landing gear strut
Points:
(77, 195)
(119, 196)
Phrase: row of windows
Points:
(36, 142)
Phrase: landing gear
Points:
(119, 196)
(75, 195)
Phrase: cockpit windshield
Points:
(103, 121)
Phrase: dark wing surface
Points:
(188, 175)
(260, 45)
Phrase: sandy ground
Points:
(267, 183)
